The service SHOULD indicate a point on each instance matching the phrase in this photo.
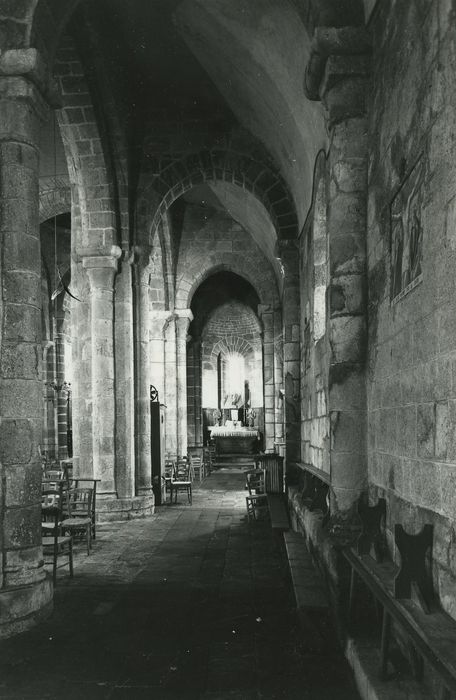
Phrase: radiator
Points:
(273, 466)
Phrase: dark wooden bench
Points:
(404, 596)
(315, 489)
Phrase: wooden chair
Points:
(207, 461)
(79, 514)
(54, 543)
(168, 476)
(213, 453)
(88, 484)
(181, 481)
(257, 500)
(197, 467)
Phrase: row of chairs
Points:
(68, 508)
(181, 473)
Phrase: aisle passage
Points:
(193, 603)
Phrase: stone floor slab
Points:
(193, 603)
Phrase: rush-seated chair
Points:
(78, 519)
(181, 481)
(257, 500)
(54, 543)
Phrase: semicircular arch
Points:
(156, 194)
(196, 274)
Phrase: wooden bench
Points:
(315, 489)
(404, 595)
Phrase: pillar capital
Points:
(158, 322)
(26, 79)
(99, 257)
(183, 319)
(264, 309)
(101, 265)
(347, 42)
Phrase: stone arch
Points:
(246, 268)
(88, 165)
(159, 261)
(239, 169)
(55, 201)
(232, 329)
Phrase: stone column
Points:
(291, 348)
(278, 375)
(266, 315)
(25, 591)
(197, 368)
(61, 396)
(341, 80)
(170, 386)
(158, 322)
(143, 457)
(101, 266)
(183, 319)
(124, 373)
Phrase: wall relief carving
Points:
(407, 233)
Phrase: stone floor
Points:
(190, 604)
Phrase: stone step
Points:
(307, 584)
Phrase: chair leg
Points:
(70, 557)
(54, 566)
(54, 571)
(88, 528)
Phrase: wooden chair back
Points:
(54, 544)
(255, 481)
(79, 503)
(182, 471)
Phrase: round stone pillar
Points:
(143, 456)
(183, 319)
(340, 78)
(278, 376)
(25, 590)
(267, 317)
(101, 269)
(124, 368)
(61, 397)
(170, 387)
(158, 322)
(291, 349)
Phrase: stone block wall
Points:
(412, 281)
(315, 422)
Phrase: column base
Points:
(119, 509)
(25, 606)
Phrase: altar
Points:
(235, 440)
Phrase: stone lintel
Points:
(332, 41)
